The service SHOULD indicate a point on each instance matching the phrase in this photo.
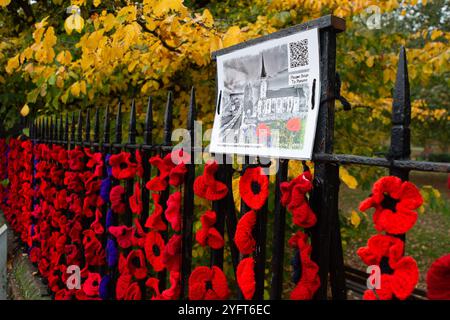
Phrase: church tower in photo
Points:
(263, 84)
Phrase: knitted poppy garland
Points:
(294, 197)
(209, 283)
(254, 190)
(394, 201)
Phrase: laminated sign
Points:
(268, 98)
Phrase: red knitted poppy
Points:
(136, 264)
(438, 279)
(293, 196)
(245, 277)
(208, 284)
(154, 221)
(309, 280)
(123, 235)
(97, 225)
(173, 211)
(206, 186)
(91, 284)
(208, 235)
(122, 166)
(254, 187)
(154, 247)
(159, 182)
(136, 200)
(243, 237)
(394, 201)
(403, 274)
(172, 253)
(122, 284)
(117, 196)
(171, 293)
(133, 292)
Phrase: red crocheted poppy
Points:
(254, 187)
(133, 292)
(95, 161)
(122, 284)
(245, 277)
(176, 176)
(164, 166)
(172, 253)
(293, 196)
(97, 225)
(399, 283)
(207, 234)
(154, 247)
(139, 167)
(402, 274)
(92, 284)
(304, 181)
(93, 250)
(173, 211)
(206, 186)
(309, 280)
(122, 166)
(243, 237)
(35, 254)
(72, 254)
(155, 221)
(136, 264)
(123, 235)
(172, 293)
(76, 159)
(208, 284)
(136, 200)
(438, 279)
(394, 201)
(117, 197)
(379, 246)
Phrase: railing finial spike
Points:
(148, 123)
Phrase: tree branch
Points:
(154, 33)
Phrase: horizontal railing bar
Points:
(381, 162)
(321, 157)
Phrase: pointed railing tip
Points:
(148, 122)
(97, 126)
(132, 124)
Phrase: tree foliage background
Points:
(61, 55)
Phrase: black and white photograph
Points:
(265, 95)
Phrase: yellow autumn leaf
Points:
(25, 110)
(233, 36)
(355, 219)
(75, 89)
(236, 195)
(370, 61)
(4, 3)
(97, 3)
(78, 2)
(64, 57)
(74, 22)
(208, 18)
(347, 178)
(83, 87)
(13, 64)
(436, 34)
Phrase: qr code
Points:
(298, 54)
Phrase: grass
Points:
(426, 241)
